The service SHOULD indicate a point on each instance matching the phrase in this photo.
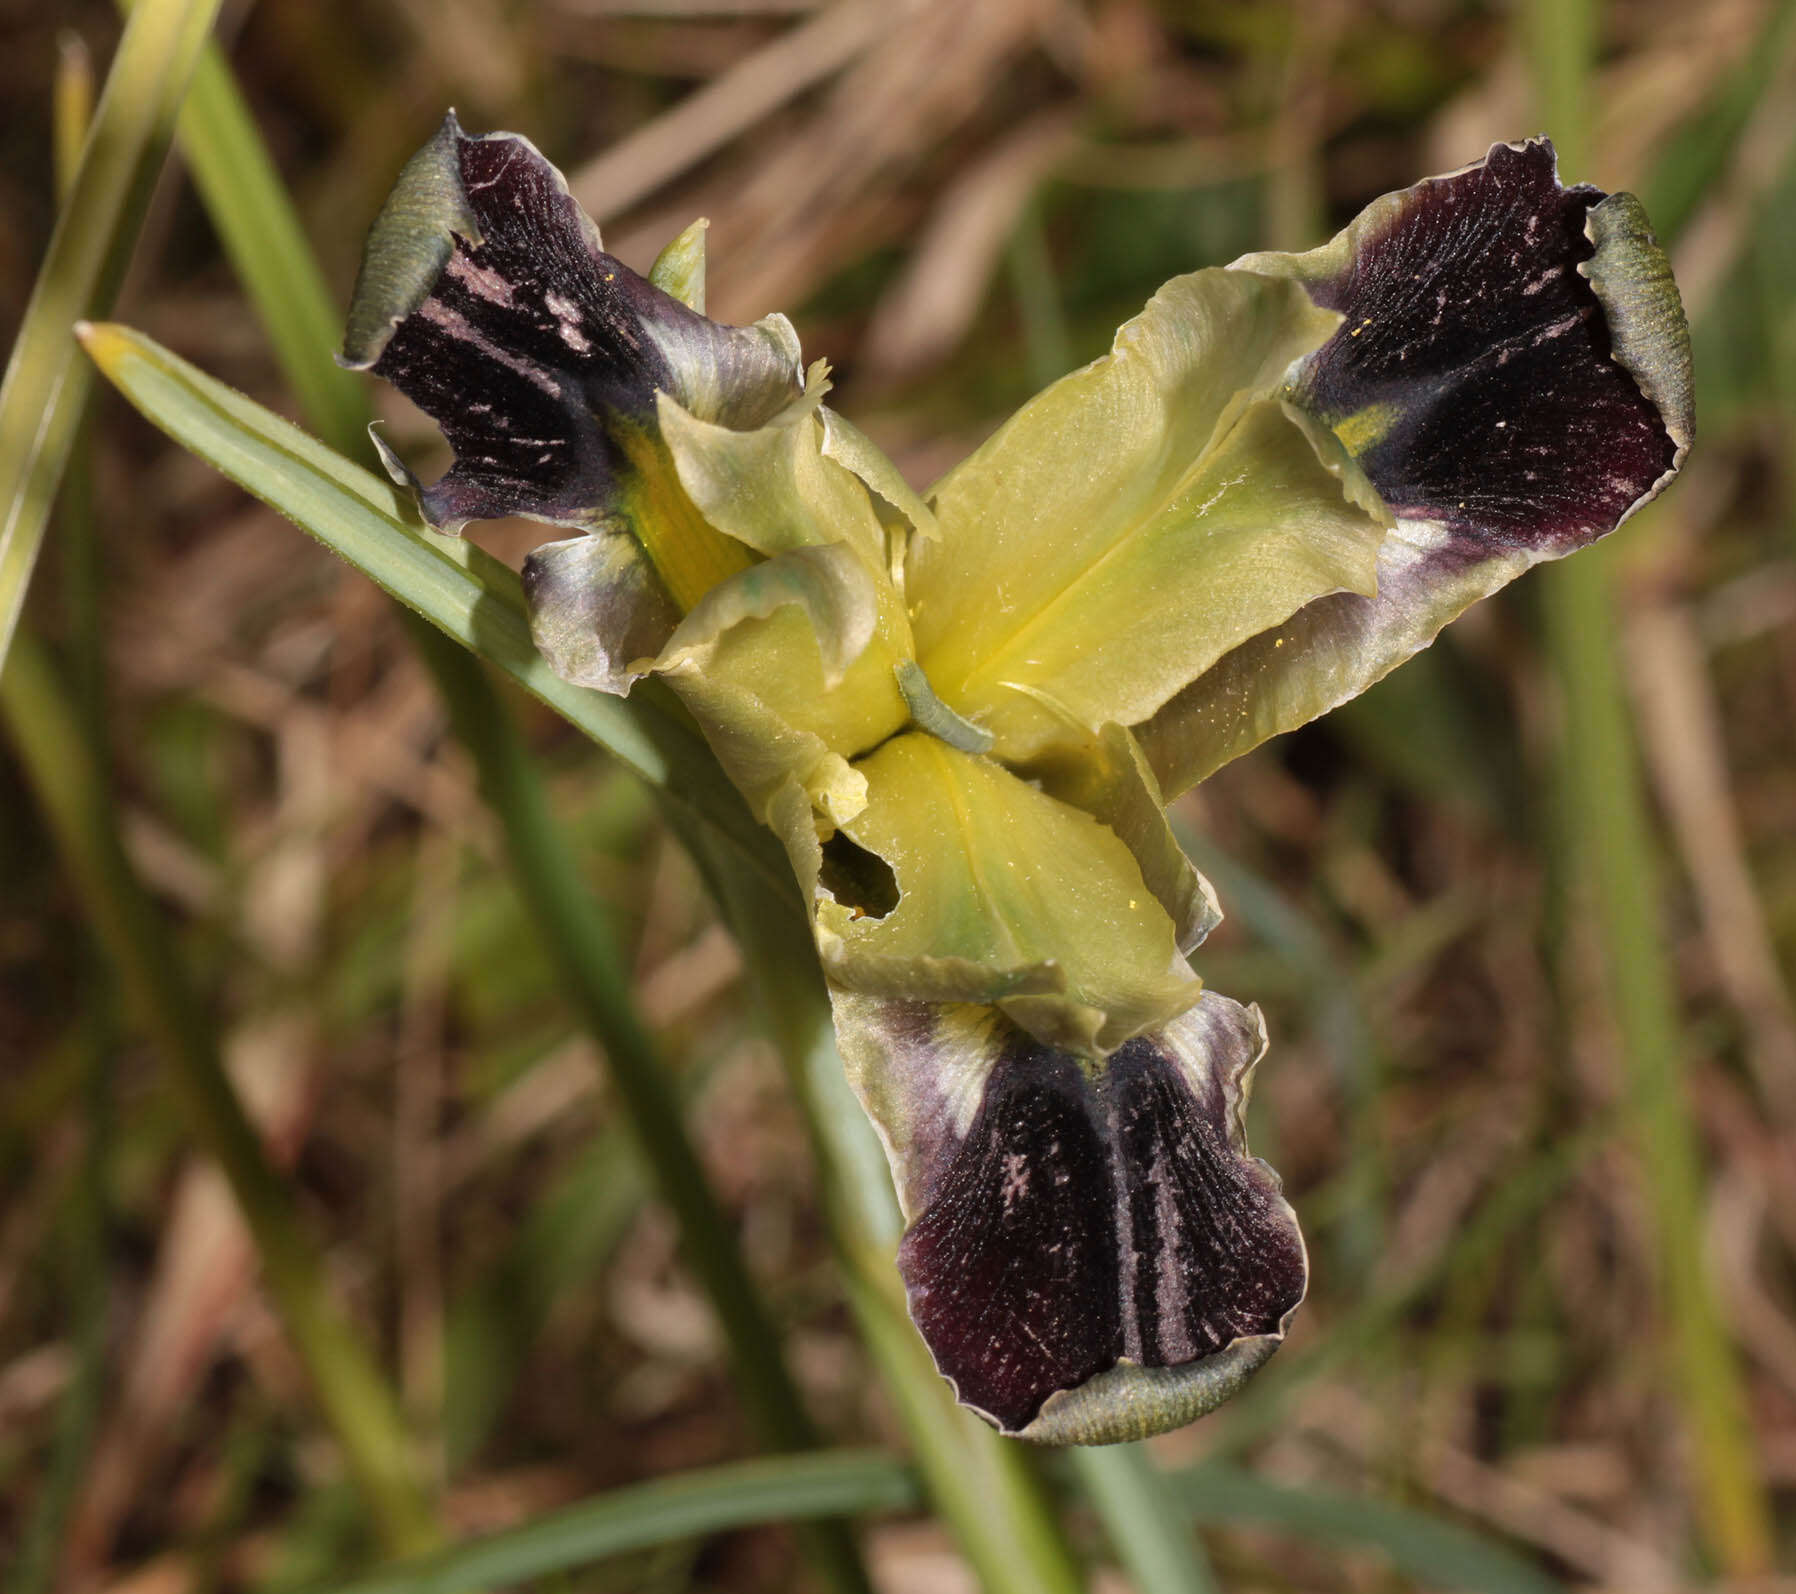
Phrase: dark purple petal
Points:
(486, 298)
(1096, 1237)
(1512, 373)
(1209, 1253)
(1478, 363)
(1013, 1268)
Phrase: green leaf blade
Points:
(270, 252)
(455, 585)
(712, 1500)
(1431, 1551)
(46, 387)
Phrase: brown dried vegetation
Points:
(956, 200)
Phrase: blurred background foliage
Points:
(1542, 1134)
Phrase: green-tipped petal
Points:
(1649, 337)
(1512, 374)
(1002, 895)
(1494, 324)
(1091, 1255)
(486, 298)
(1138, 519)
(410, 243)
(679, 270)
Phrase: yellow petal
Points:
(1004, 895)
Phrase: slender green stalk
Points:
(1608, 821)
(89, 1221)
(78, 532)
(46, 383)
(1152, 1536)
(1560, 37)
(71, 111)
(742, 1494)
(1607, 825)
(85, 1266)
(260, 231)
(270, 253)
(60, 765)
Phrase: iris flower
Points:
(963, 712)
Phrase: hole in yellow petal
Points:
(858, 879)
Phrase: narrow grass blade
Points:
(568, 1234)
(744, 1494)
(61, 767)
(454, 584)
(89, 1224)
(85, 1256)
(1608, 840)
(1152, 1537)
(1435, 1554)
(71, 111)
(77, 529)
(1609, 830)
(46, 384)
(268, 249)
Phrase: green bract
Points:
(963, 712)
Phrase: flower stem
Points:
(85, 1253)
